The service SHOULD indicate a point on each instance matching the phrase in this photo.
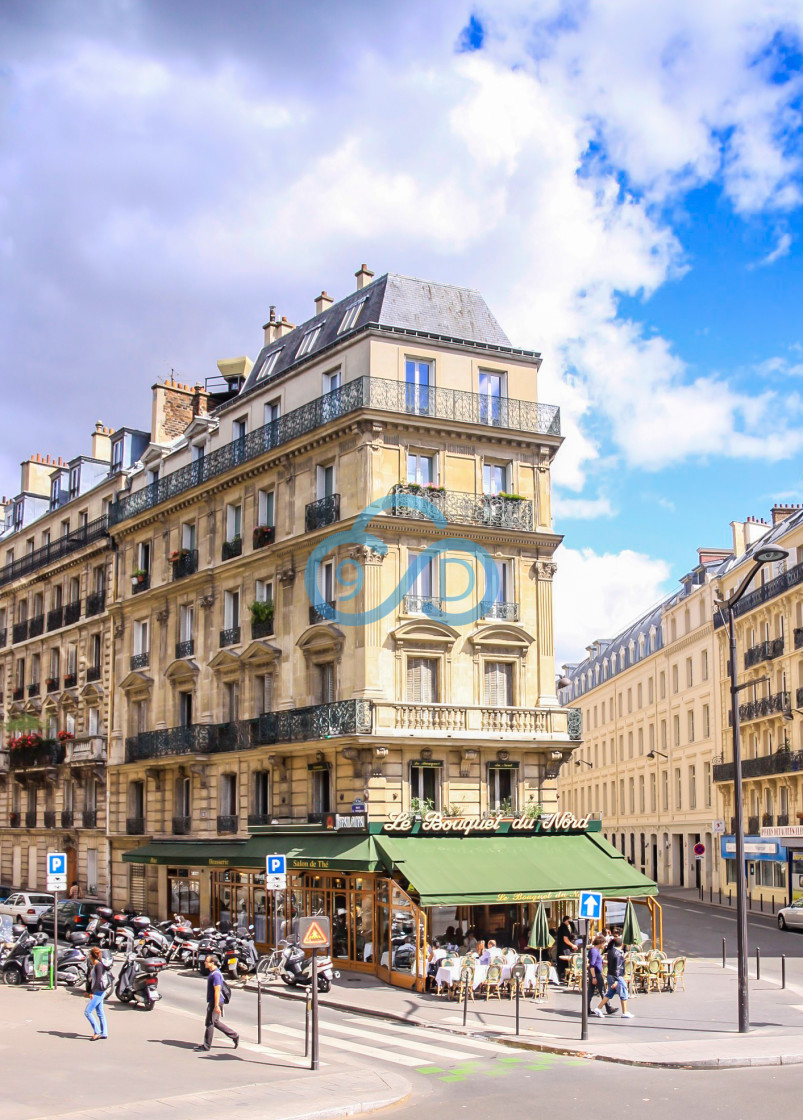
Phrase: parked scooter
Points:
(17, 966)
(296, 969)
(139, 980)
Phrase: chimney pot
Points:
(364, 276)
(322, 302)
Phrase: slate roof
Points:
(391, 302)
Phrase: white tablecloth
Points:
(451, 974)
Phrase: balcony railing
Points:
(422, 604)
(766, 706)
(19, 631)
(185, 649)
(319, 613)
(321, 721)
(70, 680)
(767, 820)
(55, 619)
(93, 673)
(15, 819)
(186, 564)
(488, 510)
(227, 822)
(229, 637)
(36, 626)
(33, 688)
(256, 819)
(135, 826)
(52, 684)
(774, 587)
(471, 721)
(46, 753)
(764, 651)
(140, 583)
(18, 694)
(182, 826)
(263, 629)
(56, 550)
(798, 636)
(326, 511)
(3, 636)
(139, 660)
(30, 818)
(507, 612)
(780, 762)
(752, 826)
(50, 818)
(72, 612)
(96, 602)
(67, 818)
(263, 536)
(232, 548)
(89, 818)
(451, 405)
(91, 748)
(782, 820)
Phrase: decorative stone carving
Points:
(206, 601)
(363, 553)
(545, 569)
(163, 615)
(119, 629)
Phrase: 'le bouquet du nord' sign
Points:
(436, 822)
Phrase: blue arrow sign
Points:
(56, 863)
(590, 905)
(277, 865)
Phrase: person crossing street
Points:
(215, 1003)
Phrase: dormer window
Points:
(308, 341)
(117, 456)
(55, 492)
(269, 364)
(351, 316)
(75, 481)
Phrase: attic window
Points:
(351, 316)
(308, 341)
(269, 364)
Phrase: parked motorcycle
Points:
(138, 981)
(296, 969)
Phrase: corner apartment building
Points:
(244, 702)
(651, 717)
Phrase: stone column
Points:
(544, 571)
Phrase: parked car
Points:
(26, 907)
(791, 917)
(74, 915)
(5, 891)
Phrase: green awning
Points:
(469, 870)
(324, 851)
(189, 853)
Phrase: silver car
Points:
(791, 917)
(26, 906)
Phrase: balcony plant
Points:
(178, 554)
(510, 497)
(262, 610)
(65, 736)
(420, 806)
(263, 534)
(138, 575)
(51, 682)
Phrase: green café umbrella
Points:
(540, 937)
(631, 934)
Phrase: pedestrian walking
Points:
(616, 981)
(215, 1003)
(74, 890)
(97, 985)
(595, 981)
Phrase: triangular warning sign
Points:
(314, 937)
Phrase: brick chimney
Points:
(102, 443)
(364, 276)
(780, 513)
(284, 327)
(270, 327)
(322, 302)
(175, 405)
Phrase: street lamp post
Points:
(761, 557)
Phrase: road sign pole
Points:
(518, 995)
(314, 1058)
(584, 965)
(55, 923)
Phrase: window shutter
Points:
(414, 680)
(327, 683)
(429, 680)
(498, 684)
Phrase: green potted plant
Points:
(420, 806)
(262, 610)
(138, 575)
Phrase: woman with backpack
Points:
(97, 985)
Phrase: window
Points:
(117, 456)
(153, 476)
(422, 680)
(351, 316)
(234, 522)
(75, 481)
(185, 709)
(650, 691)
(662, 686)
(55, 664)
(239, 428)
(186, 622)
(421, 469)
(425, 784)
(665, 790)
(232, 701)
(663, 734)
(502, 787)
(266, 507)
(197, 452)
(55, 500)
(144, 556)
(676, 731)
(141, 644)
(321, 790)
(188, 535)
(494, 478)
(182, 798)
(326, 481)
(308, 341)
(678, 789)
(706, 721)
(228, 795)
(707, 783)
(629, 700)
(91, 795)
(690, 725)
(94, 652)
(642, 807)
(630, 744)
(424, 583)
(689, 673)
(263, 591)
(418, 377)
(268, 367)
(639, 697)
(675, 679)
(641, 740)
(260, 795)
(231, 609)
(46, 539)
(692, 787)
(326, 683)
(139, 717)
(331, 381)
(498, 684)
(93, 721)
(504, 592)
(263, 693)
(704, 668)
(492, 391)
(652, 793)
(273, 410)
(52, 726)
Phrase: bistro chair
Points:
(630, 975)
(678, 974)
(541, 989)
(466, 982)
(574, 973)
(493, 981)
(651, 975)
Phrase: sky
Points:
(622, 181)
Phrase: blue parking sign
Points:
(277, 865)
(56, 863)
(590, 905)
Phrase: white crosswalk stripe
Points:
(461, 1040)
(428, 1048)
(352, 1047)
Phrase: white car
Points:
(24, 907)
(791, 917)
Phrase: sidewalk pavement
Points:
(691, 1029)
(690, 896)
(147, 1069)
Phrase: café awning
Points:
(469, 870)
(324, 851)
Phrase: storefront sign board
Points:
(437, 823)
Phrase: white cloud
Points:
(782, 248)
(580, 509)
(598, 595)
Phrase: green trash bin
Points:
(43, 963)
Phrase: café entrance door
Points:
(399, 947)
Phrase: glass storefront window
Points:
(183, 891)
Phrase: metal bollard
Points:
(711, 893)
(308, 1008)
(783, 970)
(761, 900)
(720, 896)
(758, 963)
(729, 898)
(723, 952)
(518, 995)
(259, 1010)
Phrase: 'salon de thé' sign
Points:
(436, 822)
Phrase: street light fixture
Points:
(583, 762)
(762, 556)
(653, 753)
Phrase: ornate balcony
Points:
(36, 626)
(227, 822)
(229, 637)
(263, 536)
(15, 820)
(86, 750)
(135, 826)
(767, 706)
(182, 826)
(140, 660)
(19, 631)
(764, 651)
(782, 820)
(186, 563)
(96, 602)
(47, 753)
(487, 510)
(326, 511)
(256, 819)
(472, 721)
(772, 588)
(781, 762)
(18, 694)
(93, 673)
(506, 612)
(767, 820)
(262, 629)
(319, 614)
(422, 604)
(30, 818)
(70, 680)
(3, 636)
(34, 688)
(67, 818)
(798, 636)
(232, 548)
(55, 619)
(140, 584)
(752, 826)
(56, 550)
(72, 612)
(50, 818)
(52, 684)
(185, 649)
(89, 818)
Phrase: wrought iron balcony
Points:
(18, 694)
(47, 753)
(89, 818)
(55, 619)
(319, 613)
(489, 510)
(227, 822)
(229, 637)
(50, 818)
(781, 762)
(370, 393)
(752, 826)
(772, 588)
(186, 564)
(798, 636)
(56, 550)
(140, 660)
(66, 818)
(52, 684)
(33, 688)
(36, 626)
(70, 680)
(326, 511)
(135, 826)
(182, 826)
(30, 818)
(15, 820)
(72, 612)
(782, 820)
(140, 583)
(764, 651)
(264, 535)
(320, 721)
(96, 602)
(799, 698)
(767, 820)
(19, 631)
(3, 636)
(263, 629)
(506, 612)
(766, 706)
(422, 604)
(232, 548)
(185, 649)
(93, 673)
(256, 819)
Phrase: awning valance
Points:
(317, 852)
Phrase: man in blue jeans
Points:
(616, 981)
(214, 1007)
